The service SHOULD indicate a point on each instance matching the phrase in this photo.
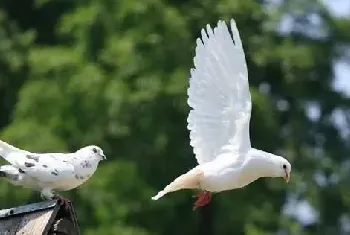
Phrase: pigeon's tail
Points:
(190, 180)
(10, 172)
(6, 148)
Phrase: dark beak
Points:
(103, 156)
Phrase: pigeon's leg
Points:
(63, 201)
(203, 198)
(48, 194)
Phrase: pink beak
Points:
(287, 177)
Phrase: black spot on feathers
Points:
(33, 157)
(85, 164)
(79, 177)
(29, 164)
(55, 172)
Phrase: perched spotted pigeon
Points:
(46, 172)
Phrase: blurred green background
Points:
(115, 73)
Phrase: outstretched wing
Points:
(219, 95)
(44, 167)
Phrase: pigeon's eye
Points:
(94, 150)
(284, 166)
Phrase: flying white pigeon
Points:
(46, 172)
(219, 121)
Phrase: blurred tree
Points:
(115, 73)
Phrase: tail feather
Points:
(189, 180)
(10, 172)
(6, 148)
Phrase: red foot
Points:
(63, 202)
(204, 198)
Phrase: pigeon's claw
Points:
(62, 201)
(203, 198)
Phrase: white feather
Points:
(219, 95)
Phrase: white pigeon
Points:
(219, 121)
(46, 172)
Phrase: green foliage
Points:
(115, 74)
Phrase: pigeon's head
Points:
(94, 152)
(283, 167)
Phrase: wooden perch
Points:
(44, 218)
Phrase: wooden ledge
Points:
(47, 218)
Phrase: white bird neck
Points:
(262, 163)
(85, 166)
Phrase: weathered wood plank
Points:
(34, 223)
(9, 226)
(4, 213)
(39, 218)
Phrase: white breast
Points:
(64, 185)
(222, 177)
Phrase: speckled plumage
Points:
(46, 172)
